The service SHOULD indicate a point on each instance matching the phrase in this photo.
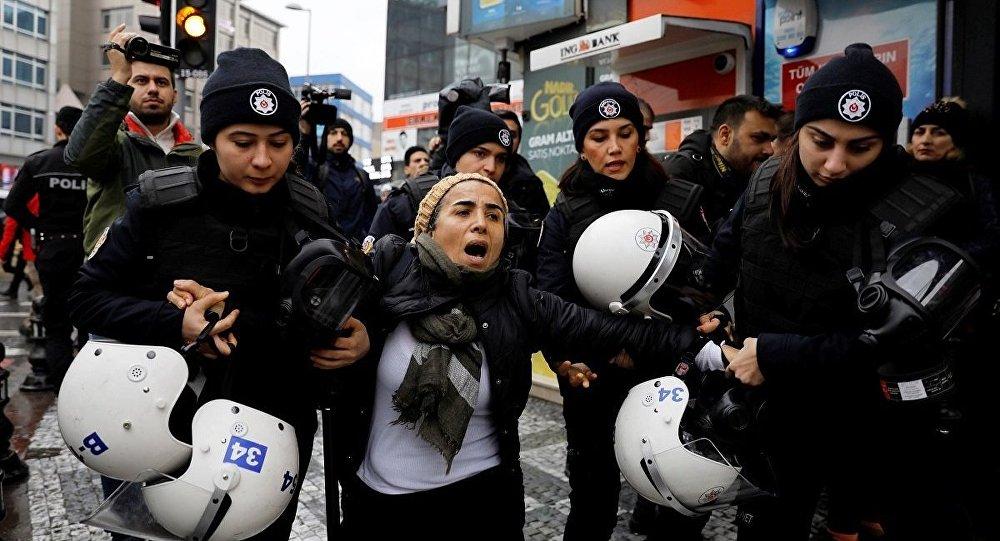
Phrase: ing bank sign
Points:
(624, 35)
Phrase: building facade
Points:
(357, 111)
(28, 43)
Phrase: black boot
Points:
(14, 469)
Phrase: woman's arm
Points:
(104, 299)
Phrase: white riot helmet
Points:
(637, 261)
(668, 465)
(115, 407)
(244, 469)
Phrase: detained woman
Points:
(433, 416)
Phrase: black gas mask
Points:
(321, 286)
(725, 410)
(928, 287)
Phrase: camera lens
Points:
(136, 47)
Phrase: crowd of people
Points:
(474, 272)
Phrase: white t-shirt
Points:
(397, 460)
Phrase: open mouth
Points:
(615, 165)
(476, 250)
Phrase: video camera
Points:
(471, 92)
(319, 111)
(139, 48)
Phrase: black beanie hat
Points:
(855, 88)
(472, 127)
(604, 101)
(948, 114)
(248, 86)
(341, 123)
(67, 117)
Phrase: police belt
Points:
(43, 236)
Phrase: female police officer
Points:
(440, 394)
(806, 230)
(614, 173)
(228, 226)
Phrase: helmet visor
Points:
(676, 298)
(938, 278)
(125, 511)
(700, 478)
(330, 292)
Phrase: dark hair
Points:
(645, 107)
(507, 114)
(786, 208)
(732, 111)
(411, 151)
(785, 125)
(650, 167)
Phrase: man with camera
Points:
(127, 128)
(349, 192)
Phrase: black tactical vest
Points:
(678, 197)
(801, 292)
(809, 291)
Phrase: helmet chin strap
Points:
(226, 480)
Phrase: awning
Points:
(650, 31)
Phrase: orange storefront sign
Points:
(740, 11)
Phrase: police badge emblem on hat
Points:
(609, 108)
(368, 244)
(854, 105)
(264, 102)
(505, 137)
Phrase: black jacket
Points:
(515, 321)
(694, 162)
(224, 239)
(522, 187)
(61, 189)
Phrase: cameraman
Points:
(128, 127)
(349, 192)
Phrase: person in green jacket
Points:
(128, 127)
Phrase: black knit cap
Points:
(472, 127)
(604, 101)
(67, 117)
(341, 123)
(949, 115)
(855, 88)
(248, 86)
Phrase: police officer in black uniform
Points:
(722, 158)
(58, 234)
(223, 232)
(809, 231)
(614, 173)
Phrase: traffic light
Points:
(194, 35)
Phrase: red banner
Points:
(895, 55)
